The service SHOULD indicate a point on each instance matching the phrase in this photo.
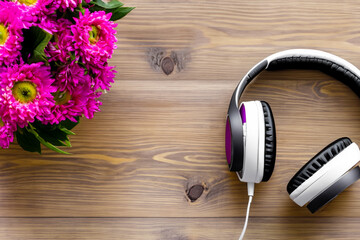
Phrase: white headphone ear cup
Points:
(336, 166)
(254, 141)
(335, 189)
(317, 162)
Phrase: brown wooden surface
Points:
(161, 136)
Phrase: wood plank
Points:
(154, 140)
(179, 228)
(221, 40)
(160, 138)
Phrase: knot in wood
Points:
(195, 192)
(167, 65)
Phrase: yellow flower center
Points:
(1, 123)
(4, 34)
(27, 2)
(24, 92)
(62, 98)
(94, 35)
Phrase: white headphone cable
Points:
(250, 189)
(246, 219)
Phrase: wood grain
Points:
(161, 137)
(178, 228)
(224, 39)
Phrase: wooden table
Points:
(151, 165)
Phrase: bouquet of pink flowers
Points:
(53, 67)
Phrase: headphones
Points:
(250, 136)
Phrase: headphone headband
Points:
(328, 63)
(250, 135)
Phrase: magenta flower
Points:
(47, 7)
(47, 23)
(74, 101)
(26, 93)
(10, 33)
(7, 130)
(103, 76)
(72, 4)
(92, 104)
(72, 75)
(75, 96)
(35, 8)
(94, 37)
(46, 79)
(40, 13)
(59, 50)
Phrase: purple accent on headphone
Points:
(228, 141)
(243, 113)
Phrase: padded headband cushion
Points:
(317, 162)
(270, 142)
(329, 67)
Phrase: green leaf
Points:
(99, 5)
(39, 54)
(32, 130)
(67, 131)
(81, 9)
(28, 141)
(114, 7)
(70, 124)
(67, 143)
(120, 13)
(84, 4)
(30, 138)
(35, 41)
(68, 14)
(55, 137)
(72, 55)
(55, 134)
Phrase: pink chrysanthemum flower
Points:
(73, 101)
(59, 50)
(74, 96)
(35, 8)
(71, 76)
(40, 13)
(102, 76)
(10, 33)
(70, 102)
(92, 105)
(94, 37)
(6, 133)
(25, 93)
(72, 4)
(47, 23)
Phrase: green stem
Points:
(81, 9)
